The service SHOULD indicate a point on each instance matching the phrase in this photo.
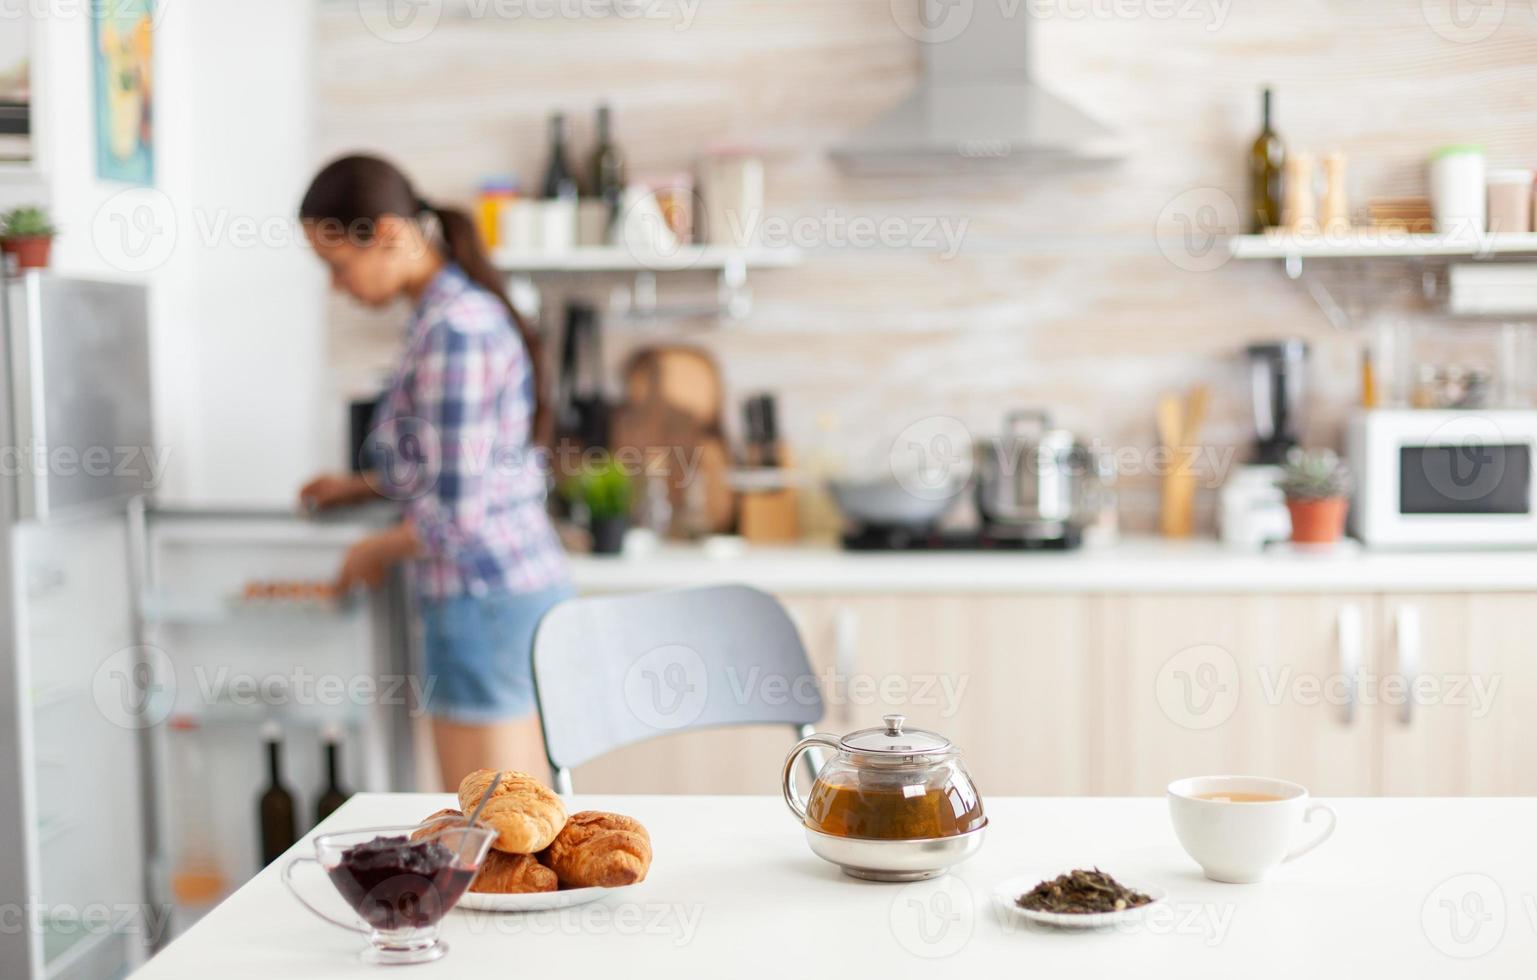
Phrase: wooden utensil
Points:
(1179, 425)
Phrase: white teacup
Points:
(1241, 842)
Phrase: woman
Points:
(454, 440)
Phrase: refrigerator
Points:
(139, 673)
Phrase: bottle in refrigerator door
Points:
(332, 795)
(276, 811)
(197, 879)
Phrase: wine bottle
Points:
(559, 180)
(1266, 158)
(332, 795)
(278, 827)
(606, 169)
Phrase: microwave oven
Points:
(1444, 479)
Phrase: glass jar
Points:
(887, 783)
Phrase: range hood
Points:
(977, 108)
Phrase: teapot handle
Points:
(792, 795)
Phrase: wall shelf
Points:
(616, 258)
(730, 265)
(1366, 243)
(1365, 265)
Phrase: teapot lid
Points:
(891, 739)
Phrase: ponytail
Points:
(354, 192)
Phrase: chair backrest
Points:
(610, 671)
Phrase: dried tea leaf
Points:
(1081, 893)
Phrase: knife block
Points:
(769, 516)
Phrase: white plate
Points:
(1007, 893)
(533, 901)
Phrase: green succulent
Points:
(1315, 475)
(27, 221)
(604, 487)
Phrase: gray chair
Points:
(611, 671)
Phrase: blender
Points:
(1252, 509)
(1277, 373)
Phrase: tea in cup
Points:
(1238, 828)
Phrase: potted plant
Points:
(27, 233)
(1317, 487)
(606, 492)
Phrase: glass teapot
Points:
(886, 783)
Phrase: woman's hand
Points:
(370, 559)
(334, 490)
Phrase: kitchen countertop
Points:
(1404, 888)
(1135, 565)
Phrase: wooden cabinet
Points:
(1457, 711)
(1009, 679)
(1120, 694)
(1234, 684)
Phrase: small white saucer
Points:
(1007, 893)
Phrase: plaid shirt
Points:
(451, 442)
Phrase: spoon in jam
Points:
(484, 799)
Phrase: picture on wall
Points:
(123, 54)
(15, 98)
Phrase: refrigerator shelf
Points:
(68, 944)
(181, 611)
(52, 695)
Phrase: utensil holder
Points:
(1177, 514)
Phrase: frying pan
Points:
(884, 502)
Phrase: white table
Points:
(1406, 888)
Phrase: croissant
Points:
(509, 874)
(525, 813)
(436, 822)
(606, 850)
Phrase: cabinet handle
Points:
(845, 653)
(1347, 647)
(1407, 638)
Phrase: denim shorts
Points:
(478, 653)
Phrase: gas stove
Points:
(873, 538)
